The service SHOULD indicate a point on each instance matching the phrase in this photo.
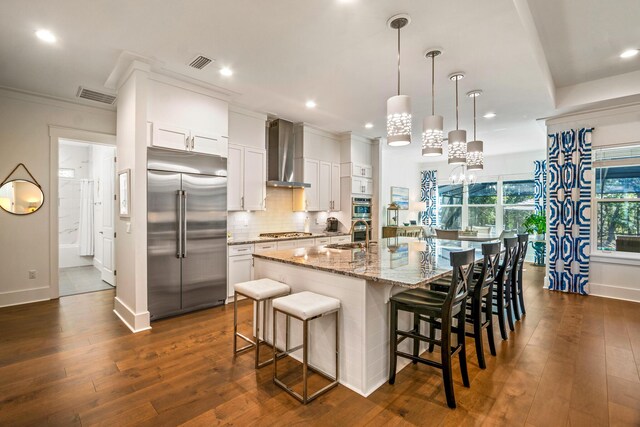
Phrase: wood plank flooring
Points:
(571, 361)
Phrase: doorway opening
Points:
(86, 212)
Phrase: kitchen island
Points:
(363, 280)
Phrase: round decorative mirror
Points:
(21, 197)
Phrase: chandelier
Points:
(399, 106)
(475, 148)
(461, 175)
(432, 126)
(457, 140)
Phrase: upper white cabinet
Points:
(364, 171)
(178, 138)
(324, 186)
(362, 186)
(246, 178)
(312, 176)
(335, 187)
(247, 161)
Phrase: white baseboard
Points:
(136, 322)
(615, 292)
(25, 296)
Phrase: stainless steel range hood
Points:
(281, 156)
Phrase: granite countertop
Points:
(403, 262)
(258, 239)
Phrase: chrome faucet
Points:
(366, 224)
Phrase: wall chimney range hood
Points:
(281, 156)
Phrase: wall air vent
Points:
(93, 95)
(200, 61)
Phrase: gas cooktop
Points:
(285, 235)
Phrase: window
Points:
(617, 190)
(482, 204)
(518, 203)
(450, 202)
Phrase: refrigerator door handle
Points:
(179, 197)
(184, 224)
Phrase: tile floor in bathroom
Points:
(78, 280)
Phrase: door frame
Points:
(55, 134)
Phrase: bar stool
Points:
(259, 291)
(304, 306)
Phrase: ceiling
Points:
(339, 53)
(582, 39)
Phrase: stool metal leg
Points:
(305, 359)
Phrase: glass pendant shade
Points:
(432, 135)
(399, 120)
(475, 157)
(457, 147)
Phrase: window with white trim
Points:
(450, 206)
(482, 198)
(517, 203)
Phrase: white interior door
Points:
(107, 227)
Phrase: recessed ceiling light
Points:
(46, 36)
(368, 125)
(489, 115)
(629, 53)
(311, 104)
(226, 71)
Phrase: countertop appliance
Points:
(332, 224)
(186, 231)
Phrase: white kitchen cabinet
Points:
(335, 187)
(305, 243)
(178, 138)
(169, 136)
(312, 176)
(207, 143)
(246, 178)
(265, 247)
(324, 186)
(321, 241)
(362, 186)
(286, 244)
(363, 171)
(240, 269)
(235, 178)
(341, 239)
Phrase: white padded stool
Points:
(304, 306)
(259, 291)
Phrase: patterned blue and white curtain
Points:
(429, 194)
(540, 178)
(569, 174)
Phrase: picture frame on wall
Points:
(124, 193)
(400, 196)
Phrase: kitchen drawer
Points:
(322, 241)
(287, 244)
(265, 247)
(235, 250)
(305, 243)
(341, 239)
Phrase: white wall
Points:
(610, 275)
(24, 137)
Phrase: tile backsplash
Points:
(279, 216)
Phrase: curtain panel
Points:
(540, 178)
(569, 181)
(429, 194)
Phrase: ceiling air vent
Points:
(200, 61)
(93, 95)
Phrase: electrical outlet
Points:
(32, 274)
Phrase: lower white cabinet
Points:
(305, 243)
(341, 239)
(287, 244)
(321, 241)
(240, 270)
(265, 247)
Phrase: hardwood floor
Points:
(571, 361)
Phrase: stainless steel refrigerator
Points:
(186, 232)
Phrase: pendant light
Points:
(457, 140)
(432, 126)
(399, 106)
(475, 148)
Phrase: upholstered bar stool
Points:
(259, 291)
(304, 306)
